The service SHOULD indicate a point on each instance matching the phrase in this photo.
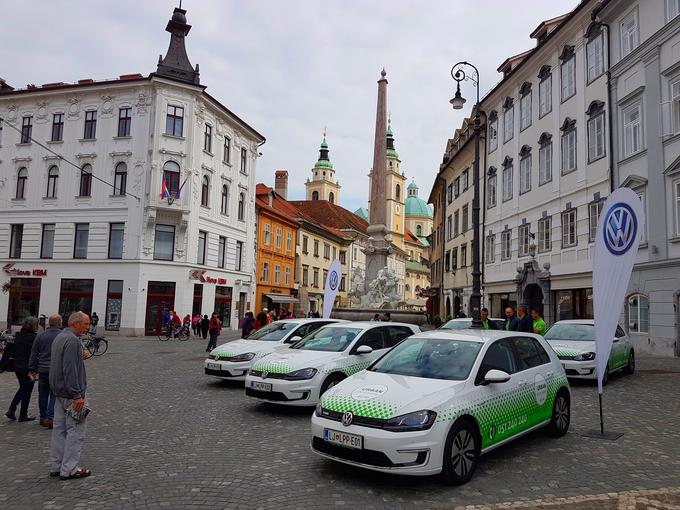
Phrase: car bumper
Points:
(227, 369)
(579, 369)
(408, 453)
(293, 393)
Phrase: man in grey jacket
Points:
(69, 384)
(39, 365)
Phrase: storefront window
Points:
(564, 305)
(75, 296)
(114, 305)
(160, 299)
(24, 299)
(223, 305)
(198, 299)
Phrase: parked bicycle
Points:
(95, 345)
(180, 332)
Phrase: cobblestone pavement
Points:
(163, 435)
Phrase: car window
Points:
(374, 338)
(306, 329)
(272, 332)
(396, 334)
(457, 324)
(620, 332)
(529, 352)
(328, 339)
(499, 356)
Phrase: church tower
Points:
(323, 185)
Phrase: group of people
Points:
(386, 317)
(200, 325)
(522, 322)
(55, 360)
(251, 323)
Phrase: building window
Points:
(289, 242)
(569, 228)
(523, 239)
(675, 105)
(26, 129)
(52, 178)
(174, 121)
(277, 273)
(47, 242)
(596, 135)
(595, 57)
(114, 305)
(81, 240)
(90, 131)
(315, 277)
(465, 177)
(171, 177)
(594, 210)
(545, 234)
(239, 255)
(507, 183)
(489, 249)
(120, 179)
(632, 130)
(525, 107)
(493, 135)
(419, 230)
(85, 189)
(305, 275)
(226, 156)
(642, 194)
(545, 159)
(491, 191)
(676, 190)
(265, 272)
(449, 227)
(508, 120)
(341, 288)
(305, 245)
(456, 187)
(464, 226)
(16, 240)
(326, 251)
(673, 7)
(568, 146)
(116, 239)
(124, 121)
(456, 217)
(222, 253)
(525, 174)
(316, 247)
(279, 238)
(454, 259)
(267, 233)
(207, 138)
(205, 191)
(545, 92)
(638, 314)
(630, 36)
(164, 242)
(287, 277)
(202, 242)
(242, 206)
(22, 179)
(506, 244)
(244, 160)
(224, 204)
(568, 74)
(57, 127)
(397, 193)
(463, 255)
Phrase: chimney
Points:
(281, 183)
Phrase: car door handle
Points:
(549, 373)
(521, 383)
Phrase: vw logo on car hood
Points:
(347, 419)
(264, 375)
(620, 229)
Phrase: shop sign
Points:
(12, 271)
(197, 274)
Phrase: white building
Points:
(547, 169)
(83, 222)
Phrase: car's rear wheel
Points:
(630, 367)
(460, 453)
(331, 381)
(561, 415)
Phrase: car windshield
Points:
(431, 358)
(573, 332)
(273, 332)
(328, 339)
(457, 324)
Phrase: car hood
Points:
(383, 396)
(284, 361)
(571, 347)
(237, 347)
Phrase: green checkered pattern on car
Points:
(223, 354)
(347, 368)
(366, 408)
(266, 366)
(565, 352)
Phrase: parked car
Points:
(466, 323)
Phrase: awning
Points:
(281, 298)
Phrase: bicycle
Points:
(180, 332)
(95, 345)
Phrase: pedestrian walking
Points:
(538, 324)
(23, 343)
(68, 381)
(525, 325)
(247, 324)
(94, 320)
(39, 365)
(214, 328)
(196, 324)
(205, 326)
(511, 322)
(261, 319)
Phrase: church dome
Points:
(416, 206)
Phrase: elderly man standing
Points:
(39, 365)
(69, 384)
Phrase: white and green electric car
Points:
(574, 343)
(233, 359)
(299, 375)
(440, 399)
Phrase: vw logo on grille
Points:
(333, 280)
(264, 375)
(347, 419)
(620, 229)
(217, 357)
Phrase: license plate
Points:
(260, 386)
(343, 439)
(214, 366)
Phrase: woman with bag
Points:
(214, 330)
(23, 342)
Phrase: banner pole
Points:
(601, 418)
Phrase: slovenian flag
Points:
(164, 190)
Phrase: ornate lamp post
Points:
(459, 75)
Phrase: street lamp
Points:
(459, 75)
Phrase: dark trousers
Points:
(45, 397)
(23, 394)
(205, 333)
(213, 340)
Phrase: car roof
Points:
(304, 320)
(470, 335)
(468, 319)
(589, 322)
(370, 324)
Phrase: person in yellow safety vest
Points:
(540, 326)
(486, 323)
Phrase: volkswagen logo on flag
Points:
(333, 280)
(620, 229)
(347, 419)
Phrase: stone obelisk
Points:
(379, 243)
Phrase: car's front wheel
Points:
(330, 381)
(630, 367)
(460, 453)
(561, 415)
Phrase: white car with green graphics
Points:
(574, 343)
(440, 399)
(299, 375)
(233, 359)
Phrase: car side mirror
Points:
(494, 376)
(293, 339)
(364, 349)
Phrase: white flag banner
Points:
(621, 223)
(331, 287)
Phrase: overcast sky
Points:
(291, 67)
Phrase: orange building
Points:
(277, 231)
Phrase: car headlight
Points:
(301, 375)
(246, 356)
(319, 409)
(585, 356)
(419, 420)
